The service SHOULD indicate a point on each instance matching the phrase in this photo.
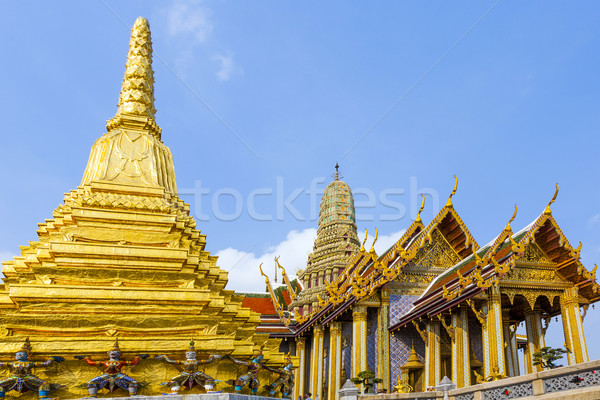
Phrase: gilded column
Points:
(316, 362)
(383, 341)
(461, 361)
(510, 344)
(359, 340)
(493, 341)
(527, 361)
(573, 327)
(432, 354)
(335, 360)
(299, 378)
(535, 336)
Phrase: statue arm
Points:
(238, 362)
(167, 359)
(91, 362)
(211, 358)
(134, 362)
(42, 363)
(271, 369)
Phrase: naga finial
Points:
(508, 227)
(263, 274)
(374, 241)
(547, 210)
(362, 247)
(449, 202)
(418, 218)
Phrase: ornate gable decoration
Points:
(436, 254)
(533, 254)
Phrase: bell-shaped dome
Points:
(337, 205)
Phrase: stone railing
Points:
(576, 382)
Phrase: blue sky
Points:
(257, 100)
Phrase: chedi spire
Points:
(136, 100)
(131, 153)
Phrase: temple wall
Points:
(372, 339)
(475, 339)
(401, 342)
(576, 382)
(347, 350)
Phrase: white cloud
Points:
(594, 220)
(244, 275)
(227, 67)
(189, 20)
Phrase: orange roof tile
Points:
(261, 305)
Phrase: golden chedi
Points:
(122, 258)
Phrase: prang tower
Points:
(336, 241)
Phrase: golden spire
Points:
(337, 176)
(136, 101)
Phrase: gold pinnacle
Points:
(136, 100)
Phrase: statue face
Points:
(21, 356)
(190, 355)
(114, 354)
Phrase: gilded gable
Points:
(533, 253)
(437, 254)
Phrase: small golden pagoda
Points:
(122, 258)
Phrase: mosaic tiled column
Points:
(432, 354)
(359, 340)
(535, 336)
(383, 342)
(461, 361)
(573, 327)
(493, 341)
(335, 360)
(316, 362)
(510, 350)
(299, 378)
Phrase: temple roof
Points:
(477, 268)
(488, 265)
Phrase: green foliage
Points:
(366, 378)
(546, 357)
